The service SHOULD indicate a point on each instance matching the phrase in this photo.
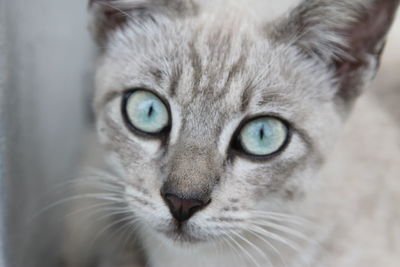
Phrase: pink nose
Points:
(182, 209)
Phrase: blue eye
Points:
(146, 112)
(263, 136)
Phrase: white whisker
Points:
(275, 237)
(130, 230)
(106, 228)
(262, 238)
(286, 230)
(96, 208)
(226, 238)
(282, 217)
(116, 8)
(262, 253)
(110, 197)
(115, 212)
(243, 249)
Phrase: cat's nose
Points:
(182, 209)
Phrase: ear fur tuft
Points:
(109, 15)
(347, 35)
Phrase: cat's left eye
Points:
(261, 137)
(145, 112)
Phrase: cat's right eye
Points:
(262, 137)
(145, 112)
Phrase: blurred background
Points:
(46, 68)
(46, 74)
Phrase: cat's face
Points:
(212, 123)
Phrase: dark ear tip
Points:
(391, 4)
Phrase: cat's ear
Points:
(107, 16)
(110, 15)
(347, 35)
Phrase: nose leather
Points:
(182, 209)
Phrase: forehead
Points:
(207, 65)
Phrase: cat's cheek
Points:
(114, 161)
(151, 148)
(267, 179)
(176, 114)
(102, 132)
(296, 150)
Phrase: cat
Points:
(218, 121)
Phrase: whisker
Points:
(243, 249)
(96, 175)
(117, 211)
(131, 221)
(98, 207)
(262, 238)
(225, 236)
(115, 8)
(275, 237)
(218, 245)
(285, 230)
(109, 226)
(130, 230)
(282, 216)
(110, 197)
(127, 227)
(262, 253)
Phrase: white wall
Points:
(49, 74)
(2, 130)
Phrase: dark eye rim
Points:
(163, 133)
(236, 148)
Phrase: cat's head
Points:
(214, 117)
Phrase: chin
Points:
(183, 238)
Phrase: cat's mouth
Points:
(182, 233)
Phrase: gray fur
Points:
(216, 68)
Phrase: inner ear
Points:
(347, 36)
(110, 15)
(365, 38)
(366, 34)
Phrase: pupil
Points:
(151, 110)
(261, 132)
